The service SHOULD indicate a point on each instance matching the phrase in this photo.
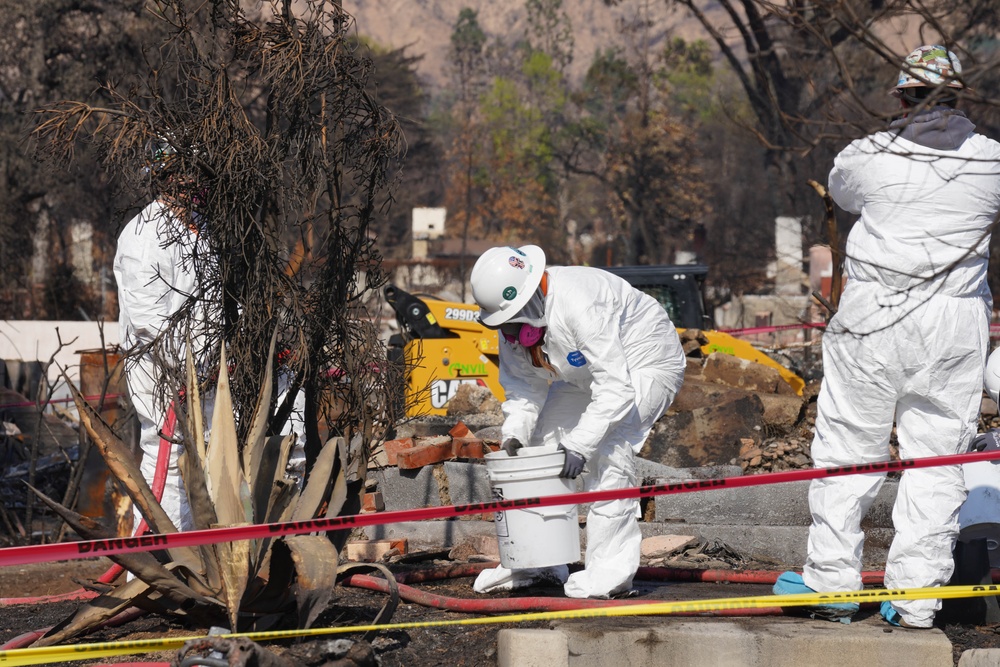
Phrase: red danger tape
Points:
(44, 553)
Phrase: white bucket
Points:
(533, 536)
(980, 515)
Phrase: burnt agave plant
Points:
(253, 583)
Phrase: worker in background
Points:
(909, 339)
(156, 278)
(588, 363)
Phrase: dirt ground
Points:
(473, 645)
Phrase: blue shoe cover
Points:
(891, 616)
(791, 583)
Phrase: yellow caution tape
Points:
(48, 654)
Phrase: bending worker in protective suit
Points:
(909, 339)
(588, 363)
(155, 276)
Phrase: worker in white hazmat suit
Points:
(909, 339)
(588, 363)
(156, 278)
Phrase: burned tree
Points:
(261, 127)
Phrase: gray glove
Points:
(989, 441)
(573, 465)
(511, 445)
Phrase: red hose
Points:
(525, 604)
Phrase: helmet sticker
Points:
(516, 263)
(576, 358)
(509, 292)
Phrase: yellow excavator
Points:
(444, 346)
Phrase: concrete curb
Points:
(738, 642)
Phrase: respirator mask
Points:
(527, 328)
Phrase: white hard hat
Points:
(930, 65)
(504, 279)
(992, 380)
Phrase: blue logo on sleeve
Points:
(576, 358)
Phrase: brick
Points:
(423, 455)
(460, 430)
(372, 502)
(394, 447)
(373, 550)
(468, 448)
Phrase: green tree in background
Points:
(629, 138)
(550, 31)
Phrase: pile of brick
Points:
(416, 452)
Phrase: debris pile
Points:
(728, 407)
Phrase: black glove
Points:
(573, 465)
(989, 441)
(511, 445)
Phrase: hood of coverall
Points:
(940, 128)
(533, 312)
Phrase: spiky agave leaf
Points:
(301, 569)
(122, 464)
(317, 490)
(315, 559)
(273, 492)
(254, 447)
(227, 485)
(96, 611)
(191, 464)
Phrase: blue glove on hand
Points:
(573, 465)
(989, 441)
(511, 445)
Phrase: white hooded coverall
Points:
(909, 341)
(619, 364)
(155, 278)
